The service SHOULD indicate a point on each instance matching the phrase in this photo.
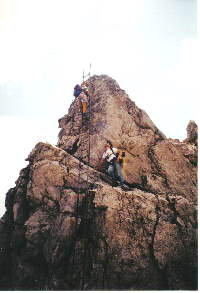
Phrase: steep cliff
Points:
(67, 228)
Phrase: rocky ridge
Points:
(67, 228)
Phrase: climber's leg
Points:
(119, 173)
(84, 105)
(111, 171)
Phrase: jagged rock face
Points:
(192, 133)
(67, 228)
(116, 118)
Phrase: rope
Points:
(82, 159)
(87, 189)
(86, 246)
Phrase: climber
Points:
(85, 86)
(113, 166)
(83, 97)
(81, 92)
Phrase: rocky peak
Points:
(67, 228)
(114, 117)
(112, 114)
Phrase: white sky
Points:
(149, 46)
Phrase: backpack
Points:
(121, 158)
(77, 90)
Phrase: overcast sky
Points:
(150, 47)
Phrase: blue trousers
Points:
(115, 171)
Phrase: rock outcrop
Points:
(192, 133)
(67, 228)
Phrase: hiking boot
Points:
(125, 187)
(115, 184)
